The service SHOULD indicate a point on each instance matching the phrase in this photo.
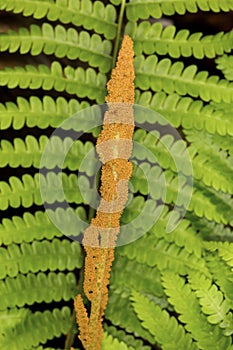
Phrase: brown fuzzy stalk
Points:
(114, 147)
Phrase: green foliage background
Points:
(167, 291)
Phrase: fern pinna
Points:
(167, 290)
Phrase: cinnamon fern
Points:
(167, 290)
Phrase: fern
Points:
(143, 9)
(90, 15)
(153, 38)
(187, 112)
(28, 191)
(167, 290)
(32, 288)
(154, 319)
(32, 257)
(47, 324)
(110, 344)
(195, 322)
(60, 42)
(38, 226)
(31, 151)
(175, 78)
(128, 339)
(225, 64)
(76, 81)
(211, 299)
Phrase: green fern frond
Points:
(187, 112)
(222, 275)
(210, 230)
(36, 328)
(186, 305)
(136, 344)
(185, 234)
(83, 83)
(145, 8)
(51, 112)
(213, 141)
(208, 160)
(31, 227)
(29, 153)
(90, 15)
(205, 201)
(27, 191)
(206, 168)
(122, 280)
(210, 298)
(33, 257)
(110, 343)
(163, 148)
(225, 250)
(212, 204)
(120, 313)
(36, 288)
(224, 143)
(164, 328)
(150, 39)
(163, 255)
(225, 64)
(61, 42)
(163, 75)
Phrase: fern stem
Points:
(100, 237)
(118, 35)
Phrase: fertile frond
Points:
(27, 191)
(83, 83)
(164, 328)
(225, 64)
(34, 329)
(33, 288)
(90, 15)
(151, 39)
(33, 257)
(145, 8)
(61, 42)
(29, 152)
(186, 305)
(187, 112)
(31, 227)
(164, 76)
(110, 343)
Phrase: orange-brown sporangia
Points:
(114, 147)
